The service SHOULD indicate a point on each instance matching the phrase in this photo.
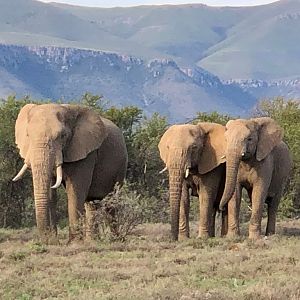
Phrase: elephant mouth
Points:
(193, 170)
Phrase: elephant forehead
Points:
(237, 133)
(184, 129)
(49, 108)
(240, 125)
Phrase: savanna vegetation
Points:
(135, 259)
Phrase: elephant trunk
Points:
(176, 176)
(232, 167)
(42, 162)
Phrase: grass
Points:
(149, 266)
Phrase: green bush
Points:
(15, 198)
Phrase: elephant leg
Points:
(52, 211)
(259, 194)
(78, 180)
(205, 207)
(90, 220)
(208, 191)
(224, 228)
(272, 210)
(234, 212)
(184, 229)
(212, 227)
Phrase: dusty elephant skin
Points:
(194, 157)
(85, 152)
(257, 160)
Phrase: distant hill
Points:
(157, 85)
(263, 46)
(206, 58)
(242, 43)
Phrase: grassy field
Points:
(149, 266)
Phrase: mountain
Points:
(264, 46)
(261, 89)
(144, 31)
(259, 42)
(156, 85)
(175, 59)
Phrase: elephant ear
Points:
(88, 133)
(22, 140)
(270, 135)
(213, 153)
(162, 145)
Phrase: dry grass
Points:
(149, 266)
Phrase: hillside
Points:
(210, 60)
(156, 85)
(263, 46)
(233, 43)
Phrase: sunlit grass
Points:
(149, 266)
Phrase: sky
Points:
(126, 3)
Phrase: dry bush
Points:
(118, 214)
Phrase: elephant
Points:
(258, 160)
(78, 147)
(194, 156)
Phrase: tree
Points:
(16, 197)
(214, 117)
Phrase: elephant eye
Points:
(63, 135)
(249, 139)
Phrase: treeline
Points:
(142, 134)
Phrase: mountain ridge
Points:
(154, 85)
(215, 58)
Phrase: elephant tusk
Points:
(58, 177)
(187, 172)
(21, 173)
(163, 170)
(224, 156)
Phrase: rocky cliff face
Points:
(289, 88)
(156, 85)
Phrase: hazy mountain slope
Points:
(10, 85)
(264, 46)
(29, 22)
(261, 89)
(243, 43)
(183, 31)
(159, 85)
(61, 57)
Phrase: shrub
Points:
(118, 214)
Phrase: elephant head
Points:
(247, 140)
(47, 136)
(189, 149)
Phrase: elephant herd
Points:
(74, 146)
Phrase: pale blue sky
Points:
(113, 3)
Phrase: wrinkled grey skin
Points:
(258, 160)
(90, 149)
(199, 150)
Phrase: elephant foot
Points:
(75, 241)
(183, 236)
(270, 232)
(254, 235)
(75, 238)
(203, 235)
(232, 233)
(53, 240)
(49, 237)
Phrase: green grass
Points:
(149, 266)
